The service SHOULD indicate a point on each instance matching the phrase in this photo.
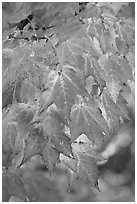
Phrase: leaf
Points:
(88, 150)
(51, 121)
(114, 6)
(7, 96)
(107, 41)
(6, 146)
(50, 156)
(114, 110)
(87, 170)
(16, 126)
(86, 118)
(18, 62)
(12, 133)
(15, 199)
(73, 49)
(121, 45)
(67, 54)
(62, 143)
(95, 29)
(97, 45)
(18, 151)
(63, 89)
(126, 31)
(97, 72)
(69, 162)
(27, 92)
(131, 57)
(35, 143)
(113, 86)
(12, 185)
(23, 115)
(117, 71)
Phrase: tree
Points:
(65, 69)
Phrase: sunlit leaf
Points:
(115, 110)
(69, 162)
(62, 143)
(63, 88)
(86, 118)
(117, 71)
(87, 170)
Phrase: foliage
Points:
(65, 66)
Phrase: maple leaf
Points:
(87, 159)
(69, 53)
(131, 57)
(114, 110)
(88, 150)
(53, 120)
(23, 115)
(117, 71)
(18, 59)
(12, 133)
(72, 50)
(113, 6)
(34, 143)
(56, 13)
(16, 127)
(27, 92)
(50, 156)
(126, 30)
(107, 41)
(87, 170)
(86, 118)
(62, 143)
(63, 88)
(70, 163)
(18, 151)
(7, 96)
(97, 72)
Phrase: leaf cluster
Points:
(66, 82)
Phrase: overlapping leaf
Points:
(84, 166)
(117, 71)
(114, 110)
(18, 151)
(86, 118)
(87, 169)
(70, 163)
(96, 72)
(63, 88)
(23, 116)
(27, 92)
(18, 59)
(73, 49)
(107, 41)
(35, 143)
(50, 156)
(88, 150)
(62, 143)
(126, 31)
(53, 121)
(16, 127)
